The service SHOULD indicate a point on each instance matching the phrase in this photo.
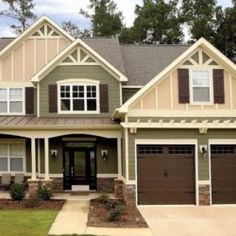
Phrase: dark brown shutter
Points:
(52, 97)
(219, 91)
(183, 83)
(104, 98)
(29, 100)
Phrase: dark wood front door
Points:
(223, 171)
(79, 167)
(166, 174)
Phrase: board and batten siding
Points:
(79, 72)
(203, 162)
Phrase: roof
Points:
(143, 62)
(28, 122)
(4, 42)
(140, 63)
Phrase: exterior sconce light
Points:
(104, 154)
(203, 150)
(53, 153)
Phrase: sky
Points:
(64, 10)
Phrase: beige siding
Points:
(29, 56)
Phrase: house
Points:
(154, 123)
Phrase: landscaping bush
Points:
(115, 214)
(17, 192)
(110, 204)
(104, 198)
(44, 193)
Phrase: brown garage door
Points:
(223, 171)
(166, 174)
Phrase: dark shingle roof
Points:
(144, 62)
(4, 42)
(140, 63)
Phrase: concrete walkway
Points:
(72, 219)
(191, 220)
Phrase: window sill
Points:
(78, 113)
(201, 104)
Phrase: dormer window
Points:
(201, 86)
(78, 97)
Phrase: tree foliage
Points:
(157, 21)
(106, 19)
(21, 11)
(74, 30)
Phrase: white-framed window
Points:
(78, 97)
(201, 86)
(12, 156)
(12, 101)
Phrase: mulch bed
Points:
(97, 217)
(7, 204)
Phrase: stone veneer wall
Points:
(105, 185)
(204, 194)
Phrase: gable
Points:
(31, 51)
(161, 93)
(79, 53)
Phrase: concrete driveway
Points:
(191, 220)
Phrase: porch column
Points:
(119, 157)
(33, 159)
(46, 147)
(39, 157)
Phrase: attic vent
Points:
(205, 57)
(195, 57)
(45, 31)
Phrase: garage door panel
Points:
(223, 164)
(166, 177)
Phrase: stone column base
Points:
(33, 186)
(105, 185)
(129, 194)
(204, 194)
(118, 188)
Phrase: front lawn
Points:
(26, 222)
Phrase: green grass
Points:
(26, 222)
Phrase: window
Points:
(11, 101)
(11, 157)
(201, 86)
(78, 98)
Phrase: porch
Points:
(78, 157)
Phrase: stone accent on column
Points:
(118, 188)
(57, 185)
(129, 195)
(105, 185)
(33, 188)
(204, 194)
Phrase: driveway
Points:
(191, 220)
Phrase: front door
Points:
(79, 167)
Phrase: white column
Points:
(119, 157)
(39, 158)
(33, 159)
(46, 154)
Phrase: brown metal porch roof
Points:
(33, 122)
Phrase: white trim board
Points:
(169, 142)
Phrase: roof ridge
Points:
(155, 45)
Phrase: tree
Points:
(21, 11)
(158, 21)
(106, 19)
(225, 38)
(200, 17)
(74, 30)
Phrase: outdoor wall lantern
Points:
(104, 154)
(53, 153)
(203, 150)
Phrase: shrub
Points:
(32, 203)
(111, 204)
(115, 214)
(104, 198)
(44, 193)
(17, 192)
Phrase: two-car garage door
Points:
(166, 174)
